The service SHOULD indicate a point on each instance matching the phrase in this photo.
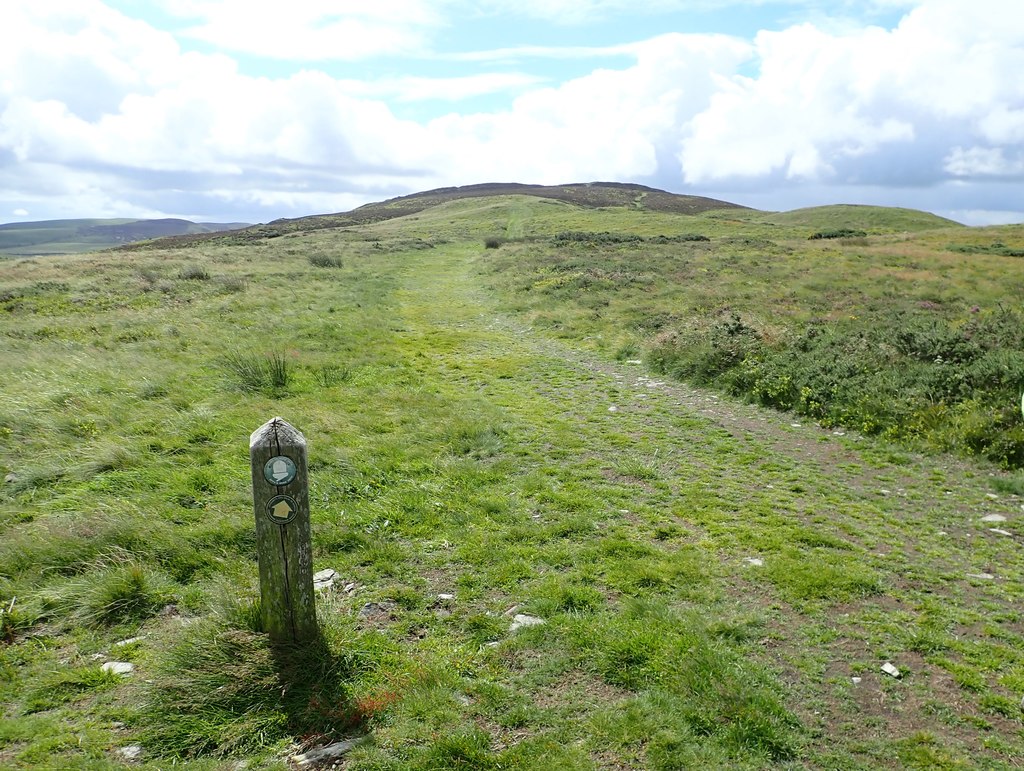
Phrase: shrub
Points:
(493, 242)
(993, 248)
(907, 375)
(578, 237)
(837, 233)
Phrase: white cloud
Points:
(609, 124)
(984, 162)
(519, 53)
(586, 11)
(982, 217)
(831, 106)
(116, 118)
(20, 212)
(415, 89)
(309, 30)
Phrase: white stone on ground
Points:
(118, 667)
(131, 752)
(891, 670)
(324, 579)
(993, 518)
(522, 620)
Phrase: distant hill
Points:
(86, 235)
(590, 195)
(871, 218)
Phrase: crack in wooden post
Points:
(280, 485)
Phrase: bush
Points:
(906, 375)
(493, 242)
(578, 237)
(993, 248)
(837, 233)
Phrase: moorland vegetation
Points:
(719, 583)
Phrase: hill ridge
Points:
(69, 236)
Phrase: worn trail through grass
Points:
(842, 554)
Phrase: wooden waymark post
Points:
(280, 490)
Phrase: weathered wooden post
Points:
(280, 490)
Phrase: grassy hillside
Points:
(89, 235)
(720, 584)
(918, 339)
(873, 219)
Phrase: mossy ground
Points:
(458, 447)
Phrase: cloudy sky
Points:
(250, 110)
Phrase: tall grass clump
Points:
(253, 372)
(221, 688)
(194, 273)
(325, 261)
(123, 591)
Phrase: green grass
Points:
(891, 335)
(461, 443)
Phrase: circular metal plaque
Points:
(279, 470)
(282, 509)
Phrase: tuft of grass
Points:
(194, 273)
(67, 686)
(330, 375)
(221, 689)
(1012, 484)
(123, 592)
(253, 372)
(233, 284)
(325, 261)
(822, 575)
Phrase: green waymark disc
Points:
(279, 470)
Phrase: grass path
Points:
(860, 554)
